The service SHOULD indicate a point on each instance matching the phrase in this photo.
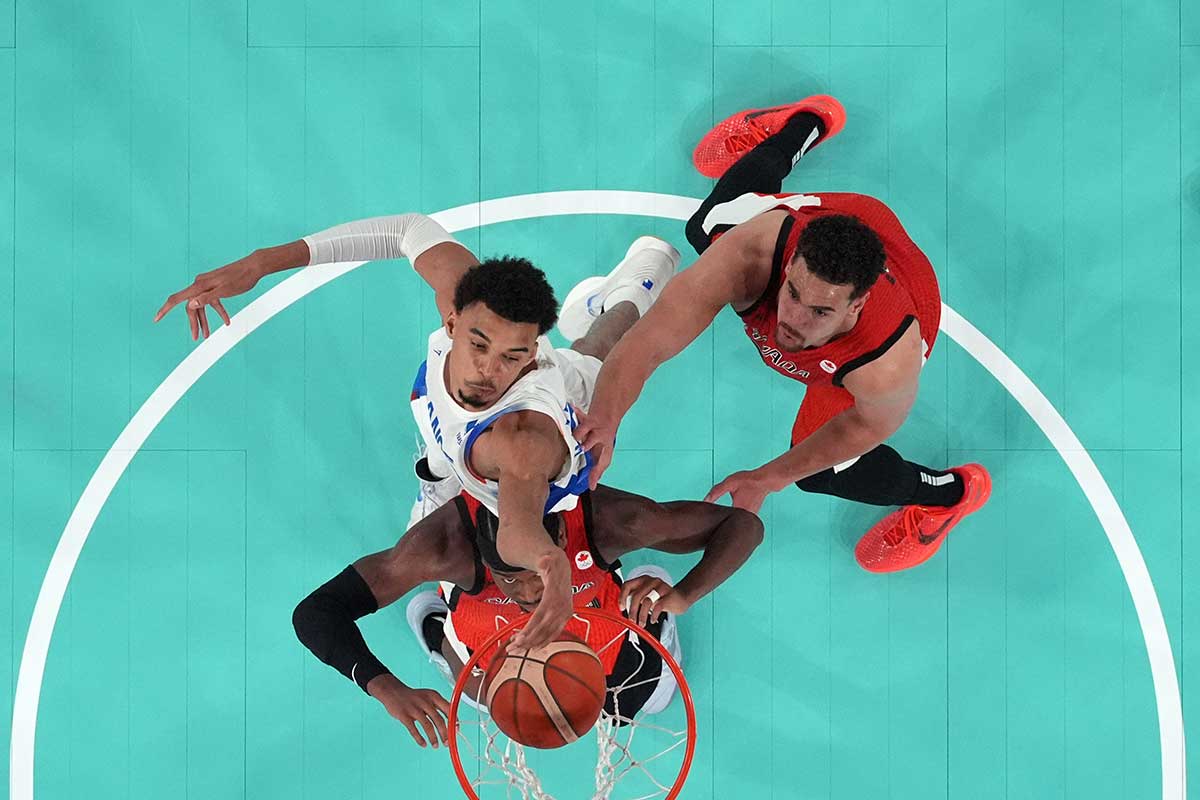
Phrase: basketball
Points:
(548, 697)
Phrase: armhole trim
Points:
(868, 357)
(785, 232)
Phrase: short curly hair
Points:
(841, 249)
(513, 288)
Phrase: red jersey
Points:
(906, 291)
(476, 613)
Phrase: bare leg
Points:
(607, 330)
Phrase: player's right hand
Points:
(413, 707)
(555, 607)
(598, 436)
(209, 287)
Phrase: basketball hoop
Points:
(506, 769)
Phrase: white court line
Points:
(508, 209)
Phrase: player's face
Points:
(523, 588)
(812, 311)
(488, 355)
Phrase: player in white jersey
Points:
(498, 410)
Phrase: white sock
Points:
(635, 294)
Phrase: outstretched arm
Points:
(884, 392)
(733, 271)
(625, 522)
(526, 450)
(325, 621)
(436, 256)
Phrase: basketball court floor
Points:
(1044, 155)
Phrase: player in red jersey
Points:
(456, 545)
(834, 294)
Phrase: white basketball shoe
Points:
(640, 277)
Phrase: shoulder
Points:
(896, 370)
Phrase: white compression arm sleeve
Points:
(375, 239)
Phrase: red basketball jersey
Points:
(477, 613)
(906, 291)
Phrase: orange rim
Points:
(684, 692)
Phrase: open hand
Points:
(646, 598)
(414, 707)
(207, 290)
(747, 489)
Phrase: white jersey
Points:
(562, 378)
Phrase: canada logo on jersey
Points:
(829, 366)
(583, 559)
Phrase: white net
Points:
(642, 751)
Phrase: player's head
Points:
(522, 586)
(501, 307)
(827, 282)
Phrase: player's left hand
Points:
(747, 489)
(645, 598)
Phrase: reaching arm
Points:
(526, 451)
(626, 522)
(325, 621)
(733, 271)
(436, 256)
(884, 392)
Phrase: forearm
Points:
(325, 623)
(376, 239)
(729, 546)
(521, 540)
(622, 377)
(846, 436)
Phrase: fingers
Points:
(436, 716)
(599, 465)
(193, 322)
(170, 303)
(203, 317)
(216, 304)
(427, 726)
(716, 492)
(648, 608)
(412, 729)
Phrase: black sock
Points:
(432, 631)
(797, 134)
(936, 487)
(882, 478)
(761, 170)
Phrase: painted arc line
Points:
(546, 204)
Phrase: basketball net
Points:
(636, 759)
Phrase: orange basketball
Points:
(547, 697)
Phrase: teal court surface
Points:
(1046, 156)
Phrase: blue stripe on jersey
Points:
(419, 387)
(576, 486)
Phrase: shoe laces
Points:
(754, 134)
(910, 519)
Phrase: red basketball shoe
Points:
(735, 136)
(911, 535)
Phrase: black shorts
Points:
(637, 663)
